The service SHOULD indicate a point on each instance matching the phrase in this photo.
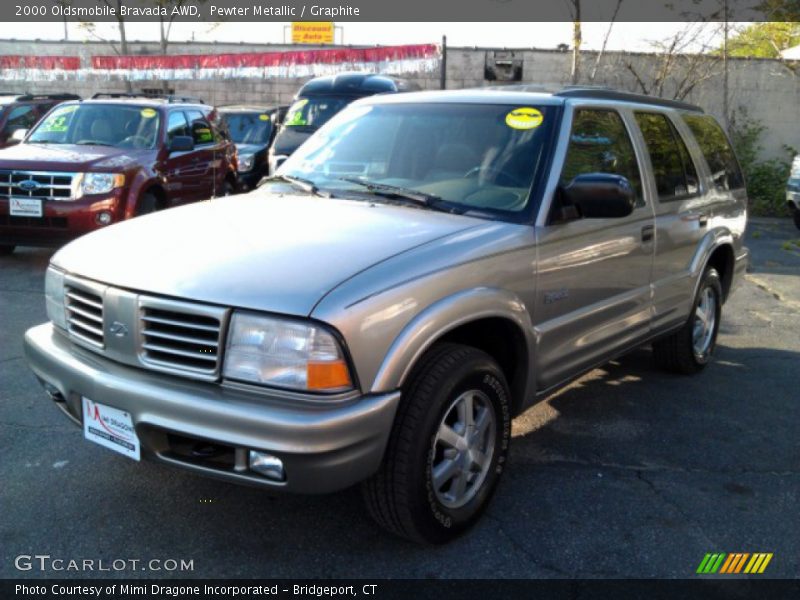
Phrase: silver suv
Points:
(423, 269)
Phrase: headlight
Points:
(54, 297)
(246, 162)
(284, 353)
(101, 183)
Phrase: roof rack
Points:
(170, 98)
(604, 93)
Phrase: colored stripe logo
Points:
(734, 563)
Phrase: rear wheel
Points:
(6, 250)
(689, 349)
(447, 449)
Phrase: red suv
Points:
(92, 163)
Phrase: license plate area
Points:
(110, 427)
(25, 207)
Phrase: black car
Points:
(321, 98)
(252, 128)
(23, 111)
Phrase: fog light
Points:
(103, 217)
(267, 465)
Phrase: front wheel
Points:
(689, 349)
(796, 216)
(447, 449)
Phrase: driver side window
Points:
(599, 143)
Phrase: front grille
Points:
(36, 184)
(180, 337)
(39, 222)
(84, 315)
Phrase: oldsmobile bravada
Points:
(423, 269)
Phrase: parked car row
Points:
(86, 164)
(422, 269)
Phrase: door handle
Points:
(648, 233)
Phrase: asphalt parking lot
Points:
(629, 472)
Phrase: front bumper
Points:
(61, 221)
(323, 448)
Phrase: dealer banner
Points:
(268, 65)
(393, 60)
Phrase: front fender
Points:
(446, 315)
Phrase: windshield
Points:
(119, 125)
(479, 156)
(249, 128)
(314, 111)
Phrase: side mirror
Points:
(600, 196)
(18, 136)
(181, 143)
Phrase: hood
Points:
(69, 157)
(261, 251)
(290, 139)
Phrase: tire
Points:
(796, 216)
(683, 352)
(228, 189)
(402, 496)
(147, 204)
(6, 250)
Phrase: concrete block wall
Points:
(765, 88)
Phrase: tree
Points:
(165, 23)
(91, 28)
(764, 40)
(600, 54)
(577, 38)
(678, 71)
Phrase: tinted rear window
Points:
(717, 150)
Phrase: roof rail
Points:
(27, 97)
(601, 93)
(170, 98)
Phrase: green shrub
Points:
(766, 179)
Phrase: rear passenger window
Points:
(599, 143)
(717, 150)
(673, 170)
(200, 128)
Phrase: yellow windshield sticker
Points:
(524, 118)
(148, 113)
(263, 117)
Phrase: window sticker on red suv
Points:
(59, 120)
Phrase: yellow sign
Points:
(312, 32)
(524, 118)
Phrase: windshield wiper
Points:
(93, 143)
(300, 183)
(395, 191)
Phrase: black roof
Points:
(17, 97)
(356, 84)
(264, 108)
(169, 98)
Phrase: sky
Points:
(627, 36)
